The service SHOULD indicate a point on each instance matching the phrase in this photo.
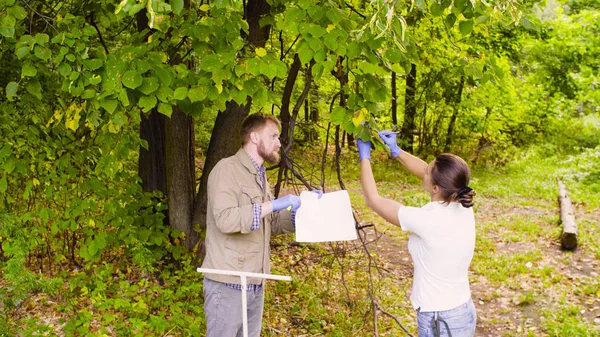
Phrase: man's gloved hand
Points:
(389, 138)
(319, 193)
(364, 149)
(286, 201)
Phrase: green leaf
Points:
(131, 79)
(88, 93)
(21, 52)
(95, 79)
(34, 88)
(367, 68)
(465, 27)
(260, 52)
(335, 15)
(482, 19)
(164, 94)
(338, 115)
(305, 53)
(7, 31)
(119, 119)
(109, 105)
(164, 76)
(317, 31)
(147, 103)
(450, 20)
(317, 71)
(528, 24)
(149, 85)
(123, 97)
(176, 6)
(92, 64)
(436, 9)
(180, 93)
(17, 12)
(42, 53)
(196, 94)
(64, 69)
(165, 109)
(11, 89)
(3, 184)
(460, 5)
(42, 38)
(331, 42)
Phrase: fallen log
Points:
(568, 238)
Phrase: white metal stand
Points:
(243, 276)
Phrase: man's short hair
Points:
(256, 122)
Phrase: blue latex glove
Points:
(319, 193)
(289, 200)
(389, 138)
(364, 149)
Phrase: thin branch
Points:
(41, 16)
(355, 11)
(122, 30)
(293, 43)
(93, 23)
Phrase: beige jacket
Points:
(233, 186)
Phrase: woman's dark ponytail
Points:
(451, 174)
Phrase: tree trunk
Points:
(286, 133)
(568, 238)
(152, 167)
(410, 110)
(394, 100)
(457, 101)
(180, 174)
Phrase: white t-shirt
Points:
(441, 244)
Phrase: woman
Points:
(441, 240)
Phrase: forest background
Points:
(112, 114)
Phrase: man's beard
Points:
(271, 158)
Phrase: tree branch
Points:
(93, 23)
(41, 16)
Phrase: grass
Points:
(522, 283)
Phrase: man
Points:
(241, 215)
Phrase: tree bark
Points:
(180, 174)
(152, 167)
(410, 110)
(568, 238)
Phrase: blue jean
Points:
(223, 310)
(460, 320)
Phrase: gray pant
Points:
(223, 310)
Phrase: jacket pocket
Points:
(251, 195)
(242, 254)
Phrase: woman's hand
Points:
(389, 138)
(364, 149)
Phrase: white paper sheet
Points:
(326, 219)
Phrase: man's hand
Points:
(364, 149)
(389, 138)
(289, 200)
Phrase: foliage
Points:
(78, 77)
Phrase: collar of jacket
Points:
(244, 158)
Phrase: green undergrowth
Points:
(517, 256)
